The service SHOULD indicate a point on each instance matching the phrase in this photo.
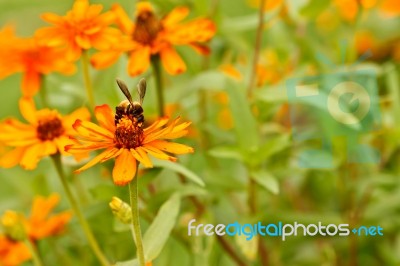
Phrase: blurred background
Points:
(243, 145)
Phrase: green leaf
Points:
(179, 169)
(158, 232)
(314, 8)
(245, 124)
(266, 180)
(272, 146)
(215, 80)
(128, 263)
(226, 152)
(276, 94)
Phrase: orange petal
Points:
(83, 41)
(122, 19)
(158, 153)
(201, 49)
(139, 61)
(95, 160)
(30, 83)
(49, 148)
(175, 16)
(77, 148)
(89, 129)
(124, 169)
(41, 207)
(171, 61)
(61, 142)
(113, 153)
(104, 59)
(106, 18)
(79, 9)
(195, 31)
(178, 131)
(12, 158)
(32, 156)
(93, 11)
(142, 157)
(28, 110)
(157, 124)
(170, 147)
(105, 117)
(52, 18)
(51, 226)
(80, 113)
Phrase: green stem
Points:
(43, 92)
(86, 77)
(35, 256)
(252, 195)
(156, 63)
(85, 226)
(133, 192)
(257, 47)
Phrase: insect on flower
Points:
(129, 108)
(124, 137)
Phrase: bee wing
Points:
(141, 89)
(124, 90)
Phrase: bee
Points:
(128, 107)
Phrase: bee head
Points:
(124, 104)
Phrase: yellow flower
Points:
(82, 28)
(127, 142)
(150, 36)
(47, 133)
(34, 60)
(38, 226)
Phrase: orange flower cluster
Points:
(149, 36)
(40, 224)
(56, 47)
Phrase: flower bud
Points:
(121, 210)
(12, 223)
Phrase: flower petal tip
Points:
(121, 183)
(77, 123)
(67, 148)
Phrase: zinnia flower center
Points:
(147, 27)
(128, 134)
(49, 125)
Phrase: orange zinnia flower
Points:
(47, 133)
(12, 252)
(34, 60)
(150, 36)
(127, 142)
(81, 28)
(38, 226)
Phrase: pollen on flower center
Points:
(147, 27)
(128, 134)
(49, 125)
